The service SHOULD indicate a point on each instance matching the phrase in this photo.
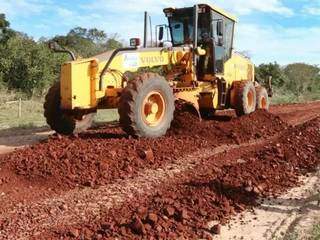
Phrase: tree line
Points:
(300, 80)
(29, 66)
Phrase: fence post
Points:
(20, 106)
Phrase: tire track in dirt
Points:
(295, 114)
(279, 218)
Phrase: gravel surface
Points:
(103, 184)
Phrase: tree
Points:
(3, 22)
(302, 77)
(88, 42)
(79, 32)
(81, 46)
(113, 43)
(5, 31)
(263, 71)
(28, 66)
(97, 36)
(5, 34)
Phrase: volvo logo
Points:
(152, 60)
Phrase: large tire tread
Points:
(262, 93)
(60, 122)
(128, 110)
(241, 105)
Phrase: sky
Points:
(285, 31)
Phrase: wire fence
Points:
(19, 108)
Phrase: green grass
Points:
(32, 110)
(282, 96)
(315, 232)
(107, 115)
(32, 113)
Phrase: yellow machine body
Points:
(86, 85)
(80, 78)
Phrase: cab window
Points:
(181, 26)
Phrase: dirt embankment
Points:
(99, 156)
(182, 208)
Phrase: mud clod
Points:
(137, 226)
(169, 211)
(73, 232)
(152, 218)
(216, 229)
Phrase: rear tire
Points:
(146, 106)
(244, 97)
(57, 120)
(263, 101)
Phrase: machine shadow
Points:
(104, 130)
(221, 118)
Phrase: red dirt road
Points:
(295, 114)
(103, 184)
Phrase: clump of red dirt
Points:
(182, 208)
(226, 127)
(101, 156)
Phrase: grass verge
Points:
(315, 234)
(32, 115)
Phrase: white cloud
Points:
(312, 10)
(266, 43)
(14, 8)
(276, 43)
(127, 18)
(242, 7)
(65, 13)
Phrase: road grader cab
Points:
(197, 63)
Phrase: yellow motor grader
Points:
(197, 63)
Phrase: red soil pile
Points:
(102, 155)
(182, 208)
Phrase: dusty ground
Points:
(103, 184)
(289, 216)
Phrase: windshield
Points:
(181, 25)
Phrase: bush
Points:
(296, 82)
(28, 66)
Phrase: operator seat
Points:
(206, 62)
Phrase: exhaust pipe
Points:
(145, 29)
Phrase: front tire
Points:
(146, 106)
(60, 122)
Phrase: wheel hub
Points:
(263, 103)
(153, 108)
(250, 98)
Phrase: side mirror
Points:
(161, 32)
(220, 28)
(54, 46)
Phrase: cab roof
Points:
(221, 11)
(214, 8)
